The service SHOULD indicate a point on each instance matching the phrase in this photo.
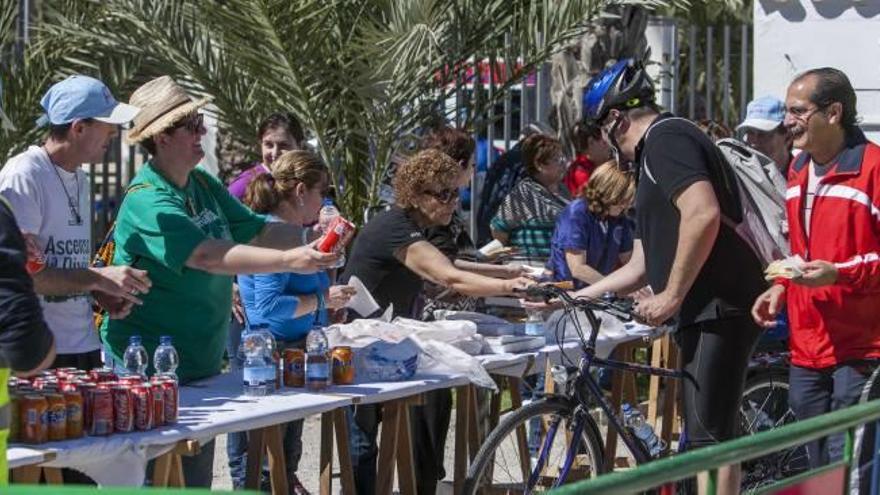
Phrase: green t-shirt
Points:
(158, 227)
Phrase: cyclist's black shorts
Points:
(716, 354)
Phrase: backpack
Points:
(504, 174)
(764, 225)
(760, 192)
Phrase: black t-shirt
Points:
(673, 155)
(25, 339)
(372, 260)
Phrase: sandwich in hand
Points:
(786, 268)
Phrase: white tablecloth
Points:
(207, 409)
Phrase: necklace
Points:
(72, 203)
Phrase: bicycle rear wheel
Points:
(765, 407)
(506, 464)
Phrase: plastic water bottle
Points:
(165, 359)
(325, 216)
(534, 323)
(135, 360)
(258, 371)
(317, 360)
(633, 419)
(273, 357)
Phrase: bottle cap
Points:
(134, 339)
(327, 202)
(165, 340)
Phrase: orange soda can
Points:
(294, 368)
(33, 415)
(73, 401)
(56, 417)
(343, 365)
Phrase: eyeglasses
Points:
(444, 195)
(192, 123)
(803, 113)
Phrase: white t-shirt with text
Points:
(55, 205)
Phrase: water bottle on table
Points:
(165, 359)
(317, 360)
(135, 360)
(633, 419)
(259, 374)
(534, 323)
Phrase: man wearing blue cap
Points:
(50, 196)
(763, 130)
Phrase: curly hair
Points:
(267, 191)
(430, 166)
(456, 143)
(539, 148)
(608, 186)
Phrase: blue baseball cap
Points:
(764, 114)
(83, 97)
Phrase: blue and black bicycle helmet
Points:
(624, 85)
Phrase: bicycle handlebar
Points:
(620, 308)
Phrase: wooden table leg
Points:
(522, 439)
(346, 474)
(256, 446)
(657, 357)
(616, 393)
(474, 439)
(27, 475)
(53, 476)
(387, 448)
(162, 469)
(462, 412)
(273, 436)
(175, 477)
(325, 466)
(406, 476)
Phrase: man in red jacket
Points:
(833, 203)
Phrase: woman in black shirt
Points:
(392, 257)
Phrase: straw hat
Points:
(162, 102)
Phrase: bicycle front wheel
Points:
(528, 451)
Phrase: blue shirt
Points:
(272, 298)
(577, 229)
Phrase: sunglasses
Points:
(444, 195)
(192, 123)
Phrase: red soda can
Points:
(102, 412)
(131, 380)
(123, 409)
(143, 406)
(70, 385)
(158, 405)
(169, 389)
(101, 375)
(87, 389)
(339, 233)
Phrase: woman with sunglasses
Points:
(392, 257)
(181, 225)
(527, 216)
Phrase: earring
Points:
(301, 203)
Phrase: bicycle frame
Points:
(585, 388)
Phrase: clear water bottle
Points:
(135, 360)
(633, 419)
(317, 360)
(325, 216)
(165, 359)
(273, 357)
(258, 371)
(534, 323)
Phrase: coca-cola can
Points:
(158, 405)
(131, 379)
(143, 406)
(169, 388)
(338, 234)
(102, 412)
(87, 389)
(101, 375)
(123, 409)
(65, 373)
(70, 385)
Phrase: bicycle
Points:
(580, 453)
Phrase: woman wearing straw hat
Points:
(180, 224)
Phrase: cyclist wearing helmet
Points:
(700, 272)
